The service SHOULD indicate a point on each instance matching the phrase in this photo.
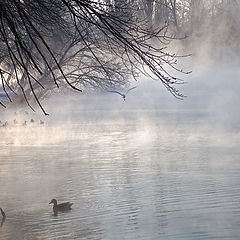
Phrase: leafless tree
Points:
(45, 45)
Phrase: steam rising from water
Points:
(151, 157)
(209, 112)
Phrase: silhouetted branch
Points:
(79, 44)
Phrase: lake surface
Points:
(144, 176)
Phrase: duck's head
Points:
(54, 201)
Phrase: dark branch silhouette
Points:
(50, 45)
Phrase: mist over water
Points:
(152, 167)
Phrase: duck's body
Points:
(62, 206)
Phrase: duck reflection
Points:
(3, 217)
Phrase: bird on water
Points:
(62, 206)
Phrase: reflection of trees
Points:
(45, 45)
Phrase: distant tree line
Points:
(199, 21)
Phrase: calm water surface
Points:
(134, 178)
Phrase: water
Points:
(151, 177)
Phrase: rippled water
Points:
(134, 178)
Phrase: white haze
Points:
(210, 111)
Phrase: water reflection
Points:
(127, 181)
(3, 220)
(3, 216)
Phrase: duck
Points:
(62, 206)
(3, 213)
(5, 124)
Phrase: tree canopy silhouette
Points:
(50, 45)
